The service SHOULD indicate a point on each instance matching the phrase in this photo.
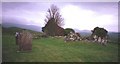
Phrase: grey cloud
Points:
(7, 7)
(101, 7)
(13, 5)
(21, 23)
(13, 20)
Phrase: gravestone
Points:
(25, 41)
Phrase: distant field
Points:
(56, 50)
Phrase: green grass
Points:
(56, 50)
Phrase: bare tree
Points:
(53, 12)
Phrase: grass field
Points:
(56, 50)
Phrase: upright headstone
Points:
(25, 41)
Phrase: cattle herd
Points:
(24, 39)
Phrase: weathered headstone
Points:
(25, 41)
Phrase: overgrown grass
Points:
(56, 50)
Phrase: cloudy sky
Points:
(77, 15)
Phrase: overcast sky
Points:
(82, 16)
